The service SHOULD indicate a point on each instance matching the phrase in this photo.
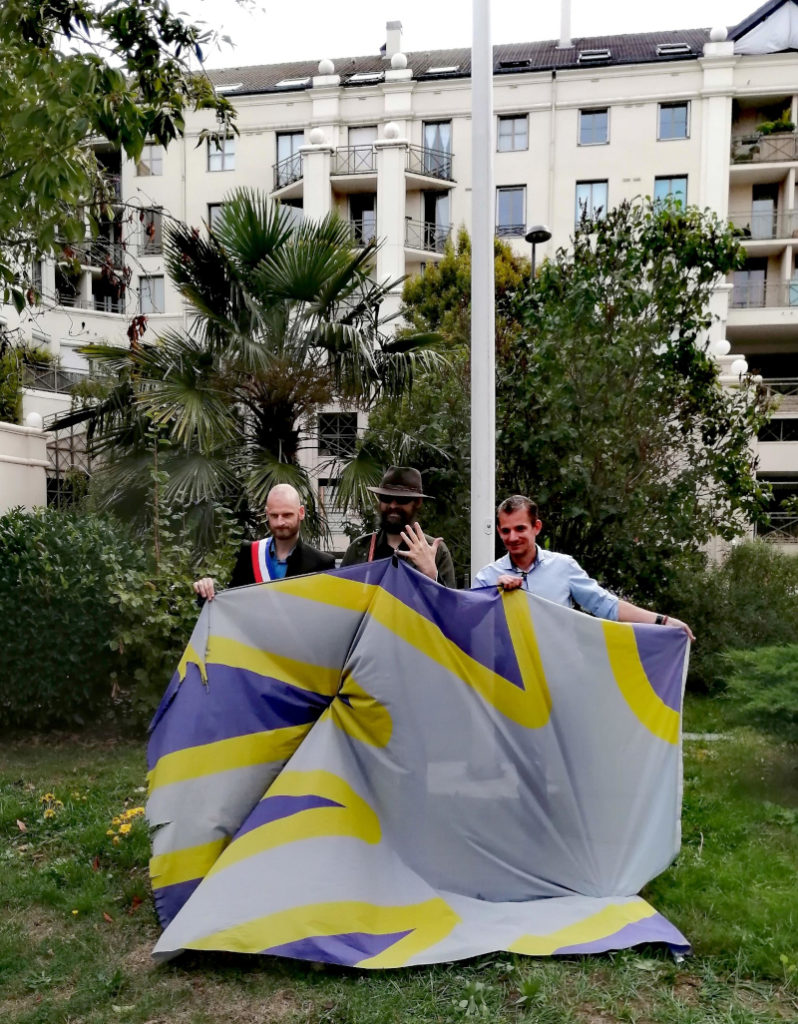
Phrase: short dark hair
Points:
(515, 503)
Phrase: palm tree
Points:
(285, 319)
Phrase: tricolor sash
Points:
(260, 560)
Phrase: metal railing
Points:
(107, 304)
(781, 528)
(287, 171)
(434, 163)
(427, 236)
(50, 378)
(510, 230)
(761, 294)
(71, 301)
(756, 148)
(763, 224)
(363, 230)
(354, 160)
(95, 253)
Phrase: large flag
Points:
(365, 768)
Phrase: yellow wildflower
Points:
(124, 829)
(110, 832)
(49, 812)
(74, 911)
(115, 840)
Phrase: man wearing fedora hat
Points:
(400, 496)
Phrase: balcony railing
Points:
(760, 295)
(50, 378)
(755, 148)
(781, 528)
(434, 163)
(363, 230)
(107, 304)
(96, 252)
(425, 235)
(287, 171)
(510, 230)
(354, 160)
(757, 225)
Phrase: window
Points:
(151, 232)
(363, 216)
(214, 213)
(337, 433)
(222, 154)
(329, 501)
(360, 153)
(151, 294)
(591, 199)
(438, 148)
(510, 213)
(673, 120)
(764, 207)
(437, 220)
(749, 283)
(151, 160)
(513, 134)
(594, 127)
(674, 188)
(289, 159)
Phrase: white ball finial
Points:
(399, 62)
(720, 347)
(739, 367)
(718, 34)
(391, 130)
(317, 137)
(34, 420)
(326, 67)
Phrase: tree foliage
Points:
(72, 71)
(609, 409)
(285, 319)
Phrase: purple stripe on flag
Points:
(236, 702)
(272, 808)
(473, 620)
(651, 929)
(658, 647)
(347, 949)
(170, 899)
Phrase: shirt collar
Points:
(540, 556)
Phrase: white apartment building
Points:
(385, 140)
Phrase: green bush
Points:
(57, 572)
(92, 627)
(748, 601)
(762, 688)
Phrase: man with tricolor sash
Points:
(552, 575)
(283, 553)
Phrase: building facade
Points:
(385, 140)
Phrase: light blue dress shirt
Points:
(556, 577)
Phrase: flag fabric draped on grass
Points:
(365, 768)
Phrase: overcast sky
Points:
(265, 32)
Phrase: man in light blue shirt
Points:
(548, 574)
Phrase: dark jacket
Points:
(302, 559)
(358, 551)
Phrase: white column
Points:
(391, 157)
(483, 330)
(316, 164)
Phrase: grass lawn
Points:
(77, 922)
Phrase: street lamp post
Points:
(537, 234)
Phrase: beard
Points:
(394, 520)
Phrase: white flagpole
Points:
(483, 331)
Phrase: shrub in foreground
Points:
(762, 688)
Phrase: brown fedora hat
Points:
(400, 482)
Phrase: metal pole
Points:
(533, 263)
(483, 330)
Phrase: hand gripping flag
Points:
(365, 768)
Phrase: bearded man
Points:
(400, 497)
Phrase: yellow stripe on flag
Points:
(185, 865)
(647, 705)
(598, 926)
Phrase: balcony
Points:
(288, 171)
(363, 230)
(764, 149)
(764, 225)
(49, 378)
(781, 528)
(426, 236)
(96, 253)
(510, 230)
(429, 163)
(354, 160)
(765, 295)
